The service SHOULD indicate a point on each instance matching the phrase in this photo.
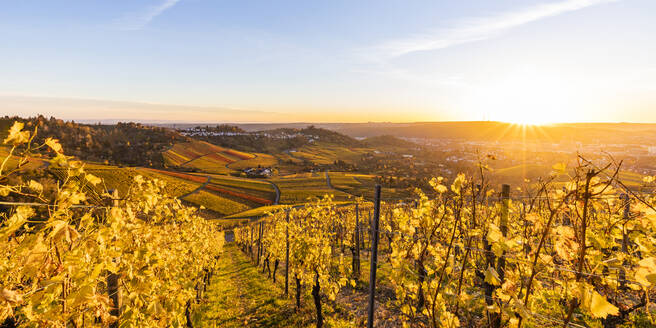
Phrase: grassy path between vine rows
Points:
(241, 296)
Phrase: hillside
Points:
(267, 141)
(388, 141)
(479, 130)
(123, 143)
(206, 157)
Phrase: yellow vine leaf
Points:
(92, 179)
(600, 307)
(646, 272)
(16, 136)
(54, 145)
(10, 296)
(35, 186)
(492, 277)
(458, 183)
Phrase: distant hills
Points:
(610, 133)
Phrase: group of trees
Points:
(122, 143)
(273, 141)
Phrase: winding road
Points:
(275, 187)
(209, 178)
(330, 185)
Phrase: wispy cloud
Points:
(139, 19)
(476, 29)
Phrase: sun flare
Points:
(528, 97)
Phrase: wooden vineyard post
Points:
(626, 215)
(287, 254)
(374, 257)
(503, 226)
(251, 246)
(362, 237)
(113, 290)
(370, 231)
(259, 242)
(495, 318)
(356, 242)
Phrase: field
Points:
(218, 203)
(631, 179)
(285, 157)
(210, 158)
(362, 185)
(182, 153)
(240, 195)
(521, 171)
(323, 154)
(113, 177)
(32, 164)
(211, 163)
(174, 186)
(261, 160)
(301, 187)
(252, 187)
(516, 175)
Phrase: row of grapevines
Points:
(56, 258)
(315, 256)
(562, 254)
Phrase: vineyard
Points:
(574, 249)
(299, 188)
(327, 153)
(470, 255)
(141, 259)
(210, 158)
(362, 185)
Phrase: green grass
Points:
(240, 296)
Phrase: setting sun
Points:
(527, 96)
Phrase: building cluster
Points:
(204, 132)
(258, 172)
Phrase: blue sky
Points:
(211, 61)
